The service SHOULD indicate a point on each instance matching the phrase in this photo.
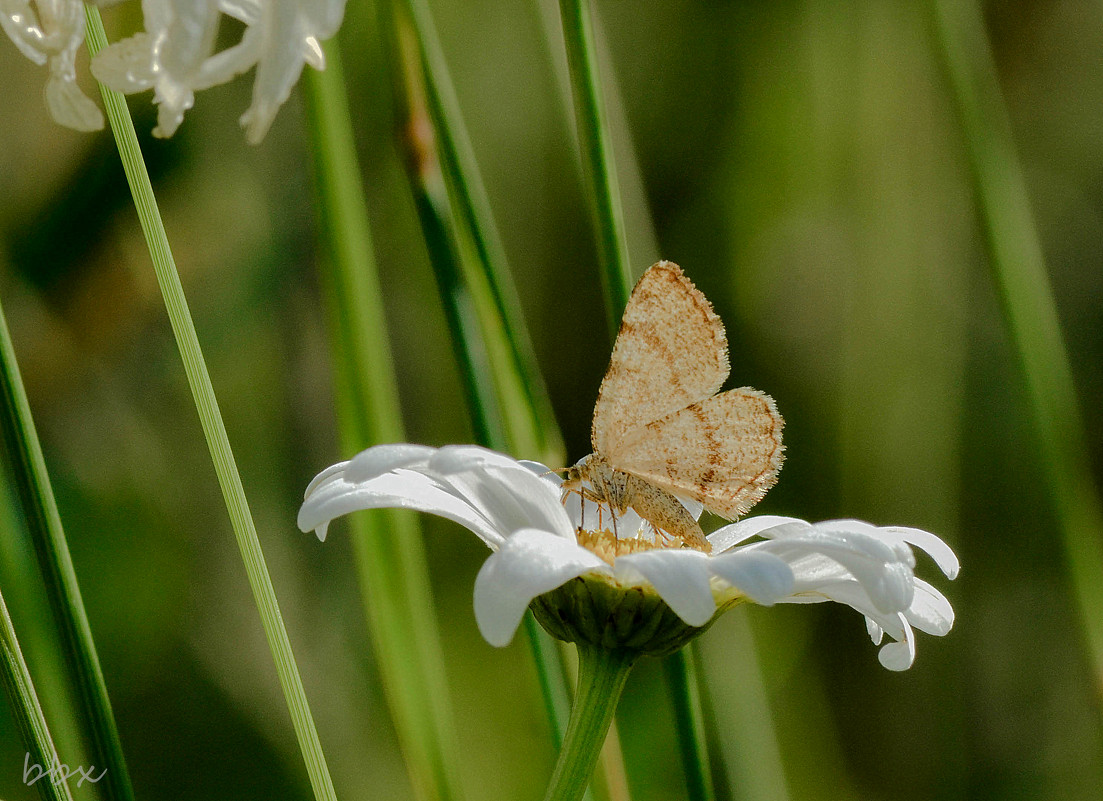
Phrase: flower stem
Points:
(598, 162)
(56, 565)
(214, 430)
(16, 679)
(1018, 266)
(601, 677)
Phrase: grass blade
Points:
(1018, 266)
(389, 552)
(214, 430)
(529, 418)
(599, 166)
(28, 713)
(56, 565)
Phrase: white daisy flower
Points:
(51, 32)
(611, 581)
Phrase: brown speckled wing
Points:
(671, 352)
(724, 452)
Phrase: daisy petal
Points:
(898, 655)
(728, 536)
(530, 563)
(930, 612)
(680, 577)
(761, 576)
(942, 554)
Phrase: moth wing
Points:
(724, 452)
(671, 351)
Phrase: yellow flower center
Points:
(608, 546)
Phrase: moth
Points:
(660, 429)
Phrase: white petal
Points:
(727, 536)
(70, 107)
(930, 612)
(126, 65)
(335, 496)
(870, 561)
(680, 576)
(530, 563)
(380, 459)
(942, 554)
(761, 576)
(899, 655)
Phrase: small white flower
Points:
(175, 55)
(53, 35)
(541, 541)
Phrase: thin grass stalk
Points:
(214, 430)
(1018, 267)
(56, 565)
(471, 204)
(394, 576)
(603, 190)
(689, 717)
(28, 713)
(485, 386)
(598, 162)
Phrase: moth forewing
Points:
(671, 351)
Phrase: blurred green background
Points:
(803, 163)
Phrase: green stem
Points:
(491, 284)
(601, 677)
(388, 545)
(599, 166)
(44, 523)
(681, 677)
(214, 430)
(1018, 265)
(28, 713)
(486, 381)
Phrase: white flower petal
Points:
(761, 576)
(899, 655)
(69, 106)
(380, 459)
(530, 563)
(942, 554)
(728, 536)
(680, 576)
(125, 65)
(334, 496)
(930, 612)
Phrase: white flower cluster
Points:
(538, 545)
(175, 55)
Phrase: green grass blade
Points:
(214, 429)
(599, 166)
(491, 286)
(56, 565)
(28, 713)
(390, 556)
(681, 678)
(1015, 257)
(486, 380)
